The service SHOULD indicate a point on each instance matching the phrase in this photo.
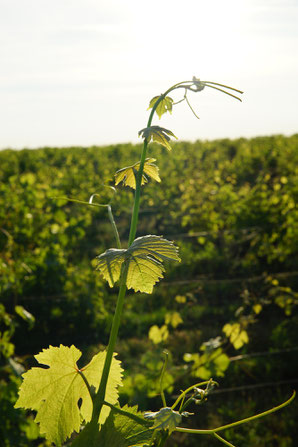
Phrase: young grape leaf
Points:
(144, 258)
(164, 419)
(158, 134)
(128, 174)
(164, 106)
(54, 392)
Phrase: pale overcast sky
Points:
(82, 72)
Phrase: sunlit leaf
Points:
(165, 105)
(257, 308)
(54, 392)
(238, 337)
(221, 362)
(151, 169)
(202, 372)
(157, 335)
(144, 258)
(158, 134)
(173, 318)
(109, 264)
(128, 175)
(181, 299)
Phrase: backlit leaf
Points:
(54, 392)
(110, 263)
(128, 175)
(144, 258)
(165, 105)
(158, 134)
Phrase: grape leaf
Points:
(164, 419)
(158, 134)
(54, 392)
(120, 430)
(133, 426)
(128, 175)
(144, 258)
(164, 106)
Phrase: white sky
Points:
(82, 72)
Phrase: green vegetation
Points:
(227, 311)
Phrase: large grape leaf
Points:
(55, 392)
(132, 428)
(125, 427)
(158, 134)
(144, 258)
(128, 175)
(165, 105)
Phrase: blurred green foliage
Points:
(230, 206)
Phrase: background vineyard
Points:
(230, 207)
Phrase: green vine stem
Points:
(224, 441)
(135, 213)
(99, 397)
(164, 367)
